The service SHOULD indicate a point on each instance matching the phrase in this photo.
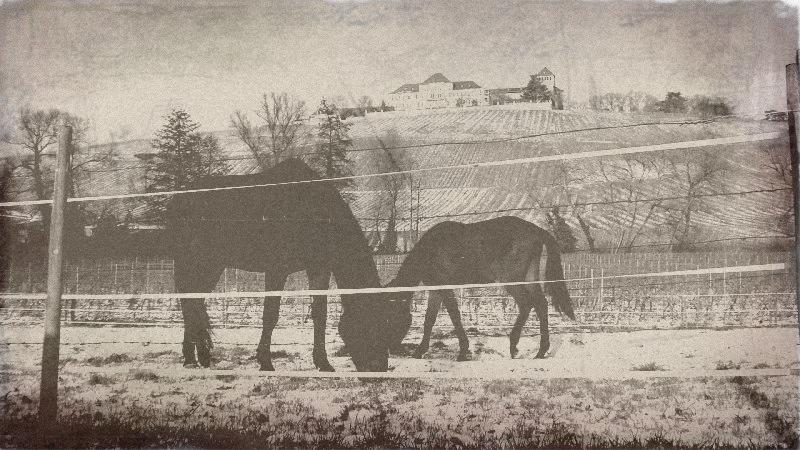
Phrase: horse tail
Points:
(554, 274)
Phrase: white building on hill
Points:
(438, 92)
(547, 78)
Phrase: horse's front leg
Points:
(272, 306)
(451, 305)
(319, 315)
(434, 303)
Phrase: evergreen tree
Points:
(561, 231)
(535, 91)
(330, 156)
(183, 156)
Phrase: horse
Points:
(288, 227)
(504, 249)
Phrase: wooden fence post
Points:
(48, 397)
(793, 105)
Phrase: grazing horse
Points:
(505, 249)
(277, 230)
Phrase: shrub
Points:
(727, 365)
(649, 367)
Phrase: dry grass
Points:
(649, 367)
(403, 413)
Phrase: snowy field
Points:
(644, 388)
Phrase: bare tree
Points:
(390, 159)
(571, 178)
(626, 197)
(252, 137)
(37, 137)
(694, 172)
(365, 103)
(778, 167)
(280, 132)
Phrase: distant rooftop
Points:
(545, 73)
(436, 78)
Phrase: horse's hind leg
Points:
(434, 303)
(319, 314)
(272, 306)
(451, 305)
(522, 296)
(540, 305)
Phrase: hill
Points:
(472, 135)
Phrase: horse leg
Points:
(540, 305)
(434, 302)
(524, 303)
(451, 305)
(196, 335)
(319, 315)
(269, 318)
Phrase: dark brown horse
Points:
(277, 230)
(504, 249)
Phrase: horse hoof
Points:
(268, 368)
(418, 355)
(190, 365)
(464, 356)
(514, 353)
(540, 355)
(326, 368)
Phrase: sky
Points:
(124, 64)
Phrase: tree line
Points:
(673, 102)
(181, 155)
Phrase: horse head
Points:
(362, 327)
(399, 317)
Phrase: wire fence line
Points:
(398, 289)
(249, 157)
(498, 163)
(686, 298)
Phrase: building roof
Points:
(465, 85)
(510, 90)
(436, 78)
(410, 87)
(545, 73)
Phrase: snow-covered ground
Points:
(591, 355)
(589, 391)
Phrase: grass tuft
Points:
(114, 358)
(143, 375)
(649, 367)
(96, 378)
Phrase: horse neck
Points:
(356, 273)
(355, 267)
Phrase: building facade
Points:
(438, 92)
(501, 96)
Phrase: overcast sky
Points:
(123, 64)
